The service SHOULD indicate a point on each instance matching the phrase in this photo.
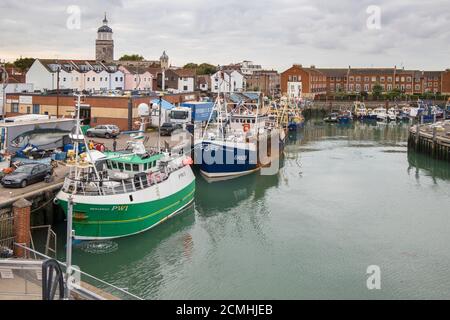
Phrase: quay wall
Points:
(433, 144)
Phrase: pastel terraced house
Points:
(137, 78)
(78, 75)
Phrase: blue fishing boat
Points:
(345, 117)
(230, 146)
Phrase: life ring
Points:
(246, 127)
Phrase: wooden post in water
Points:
(416, 146)
(433, 146)
(22, 224)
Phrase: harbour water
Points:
(345, 198)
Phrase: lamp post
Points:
(4, 85)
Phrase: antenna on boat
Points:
(159, 122)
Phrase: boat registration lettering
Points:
(120, 208)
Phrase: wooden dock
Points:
(433, 140)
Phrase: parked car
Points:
(168, 128)
(27, 174)
(104, 131)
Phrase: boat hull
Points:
(116, 216)
(231, 160)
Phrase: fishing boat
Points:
(332, 118)
(378, 114)
(345, 117)
(119, 194)
(391, 115)
(359, 110)
(231, 148)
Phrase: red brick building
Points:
(266, 81)
(314, 81)
(97, 110)
(299, 81)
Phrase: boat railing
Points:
(88, 187)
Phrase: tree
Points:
(377, 91)
(394, 94)
(206, 68)
(132, 57)
(202, 69)
(24, 63)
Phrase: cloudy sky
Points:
(274, 33)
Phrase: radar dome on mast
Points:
(143, 110)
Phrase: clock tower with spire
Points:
(104, 45)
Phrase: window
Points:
(382, 79)
(121, 78)
(366, 79)
(15, 107)
(374, 79)
(145, 166)
(408, 79)
(28, 110)
(389, 87)
(120, 165)
(114, 165)
(417, 87)
(185, 88)
(351, 78)
(358, 79)
(136, 168)
(36, 109)
(117, 79)
(403, 79)
(127, 167)
(88, 79)
(389, 79)
(397, 79)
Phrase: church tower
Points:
(164, 61)
(104, 45)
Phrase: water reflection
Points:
(316, 215)
(138, 262)
(380, 133)
(421, 164)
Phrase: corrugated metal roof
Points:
(165, 104)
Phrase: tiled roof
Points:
(184, 73)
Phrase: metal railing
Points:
(111, 187)
(6, 231)
(89, 287)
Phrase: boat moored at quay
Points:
(124, 193)
(237, 143)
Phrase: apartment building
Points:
(265, 81)
(298, 80)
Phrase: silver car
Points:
(104, 131)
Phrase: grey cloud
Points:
(274, 33)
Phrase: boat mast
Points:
(80, 136)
